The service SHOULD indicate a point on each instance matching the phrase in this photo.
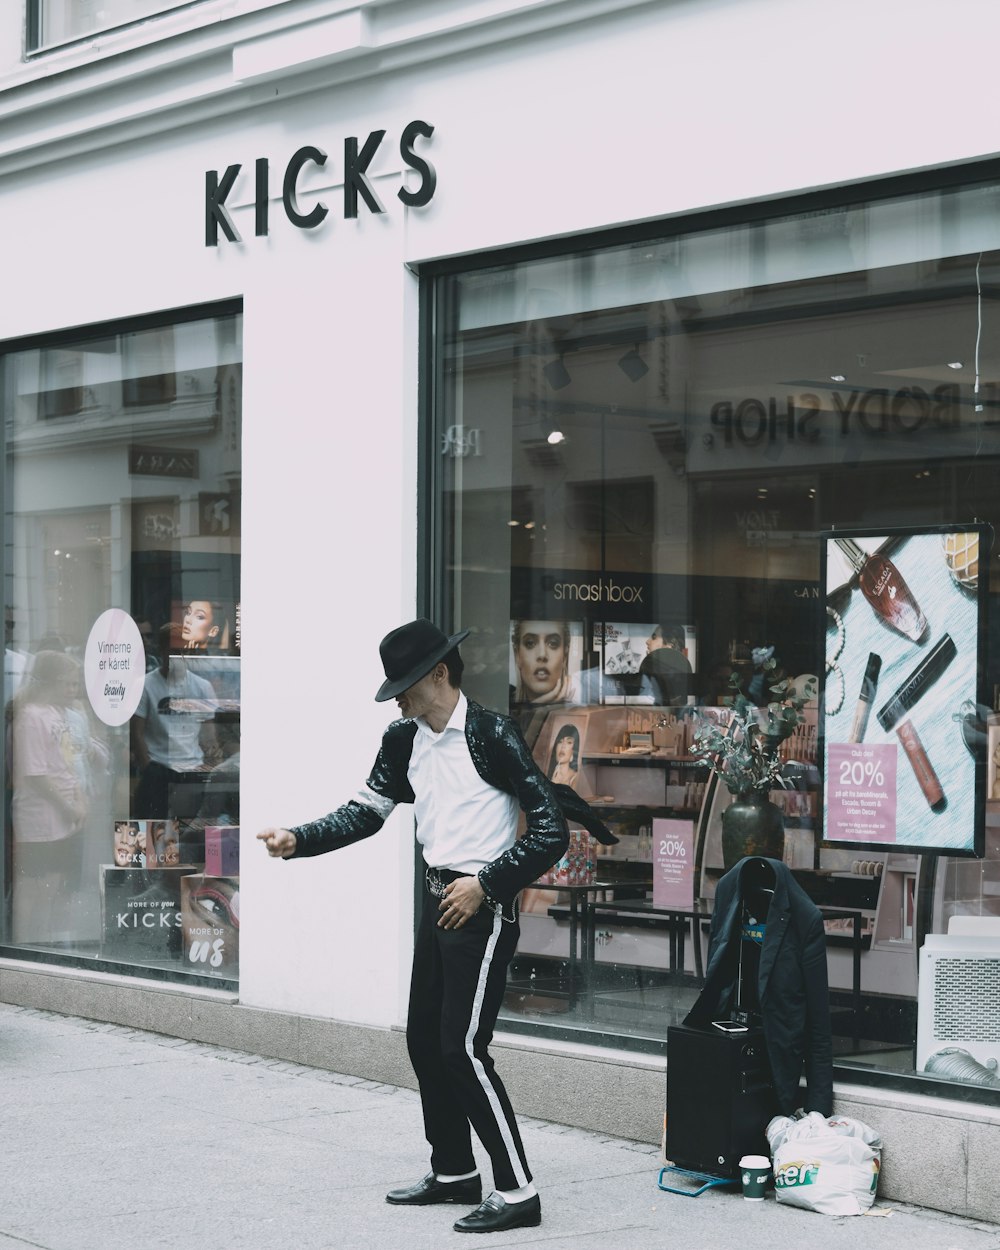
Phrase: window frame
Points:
(47, 341)
(432, 597)
(34, 14)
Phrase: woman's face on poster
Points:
(564, 749)
(540, 656)
(128, 846)
(198, 626)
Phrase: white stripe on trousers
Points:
(484, 1080)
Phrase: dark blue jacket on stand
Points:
(792, 985)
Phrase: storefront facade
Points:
(306, 344)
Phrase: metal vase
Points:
(752, 825)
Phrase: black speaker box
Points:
(719, 1098)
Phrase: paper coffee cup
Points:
(754, 1171)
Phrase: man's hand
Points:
(462, 899)
(280, 843)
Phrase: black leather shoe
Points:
(495, 1214)
(430, 1190)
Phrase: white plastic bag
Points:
(826, 1165)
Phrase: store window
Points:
(122, 646)
(639, 454)
(51, 23)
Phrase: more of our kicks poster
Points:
(141, 913)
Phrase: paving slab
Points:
(115, 1139)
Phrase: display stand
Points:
(703, 1181)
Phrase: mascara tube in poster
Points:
(869, 684)
(890, 716)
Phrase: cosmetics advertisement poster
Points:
(545, 660)
(210, 919)
(673, 863)
(904, 615)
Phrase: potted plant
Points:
(743, 754)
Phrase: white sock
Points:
(450, 1180)
(518, 1195)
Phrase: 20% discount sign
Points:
(861, 792)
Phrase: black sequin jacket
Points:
(502, 758)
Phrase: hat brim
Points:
(390, 688)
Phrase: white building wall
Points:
(550, 119)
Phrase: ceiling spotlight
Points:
(557, 436)
(633, 365)
(513, 524)
(556, 374)
(955, 364)
(838, 377)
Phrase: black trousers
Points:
(455, 994)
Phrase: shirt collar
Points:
(455, 721)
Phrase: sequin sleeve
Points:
(546, 836)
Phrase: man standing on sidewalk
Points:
(466, 770)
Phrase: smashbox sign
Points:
(357, 189)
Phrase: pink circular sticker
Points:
(114, 666)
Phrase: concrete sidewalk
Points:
(114, 1138)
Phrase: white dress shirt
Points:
(462, 823)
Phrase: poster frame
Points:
(892, 539)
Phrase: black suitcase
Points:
(719, 1098)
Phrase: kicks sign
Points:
(357, 188)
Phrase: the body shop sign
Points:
(114, 667)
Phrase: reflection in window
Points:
(123, 463)
(656, 434)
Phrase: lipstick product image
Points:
(883, 586)
(869, 683)
(922, 767)
(920, 680)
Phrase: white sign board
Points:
(114, 666)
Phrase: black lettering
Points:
(721, 417)
(880, 426)
(918, 399)
(807, 417)
(215, 206)
(789, 418)
(754, 408)
(355, 167)
(306, 221)
(428, 184)
(845, 410)
(945, 412)
(263, 204)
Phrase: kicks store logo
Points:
(357, 189)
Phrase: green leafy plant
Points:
(743, 753)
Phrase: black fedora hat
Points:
(410, 652)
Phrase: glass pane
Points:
(121, 661)
(53, 22)
(639, 449)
